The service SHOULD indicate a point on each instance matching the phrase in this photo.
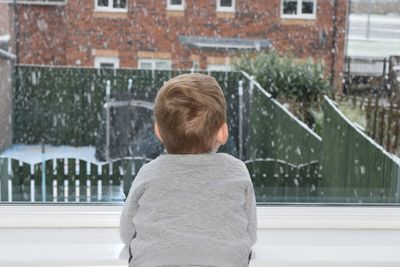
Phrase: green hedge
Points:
(299, 83)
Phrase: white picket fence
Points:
(66, 179)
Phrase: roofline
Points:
(7, 55)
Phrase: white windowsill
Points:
(175, 8)
(306, 17)
(287, 236)
(230, 10)
(269, 217)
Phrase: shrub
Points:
(298, 84)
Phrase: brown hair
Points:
(189, 111)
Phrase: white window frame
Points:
(195, 65)
(226, 9)
(153, 62)
(219, 67)
(108, 60)
(110, 7)
(175, 7)
(299, 14)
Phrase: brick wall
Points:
(4, 19)
(340, 49)
(71, 34)
(42, 34)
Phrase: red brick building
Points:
(204, 34)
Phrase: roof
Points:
(224, 42)
(5, 54)
(4, 39)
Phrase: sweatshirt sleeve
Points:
(127, 228)
(251, 212)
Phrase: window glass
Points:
(290, 7)
(176, 2)
(106, 65)
(162, 65)
(154, 64)
(106, 62)
(146, 65)
(102, 3)
(77, 95)
(226, 3)
(119, 3)
(307, 7)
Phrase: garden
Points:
(297, 143)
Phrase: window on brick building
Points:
(111, 5)
(175, 4)
(195, 65)
(303, 9)
(226, 5)
(219, 67)
(154, 64)
(106, 62)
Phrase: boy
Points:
(191, 206)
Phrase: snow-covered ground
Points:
(32, 154)
(384, 36)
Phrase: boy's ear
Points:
(157, 132)
(223, 134)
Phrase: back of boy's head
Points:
(189, 110)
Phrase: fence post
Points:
(43, 175)
(130, 82)
(347, 91)
(384, 75)
(389, 129)
(252, 78)
(32, 187)
(88, 190)
(374, 132)
(10, 190)
(4, 176)
(249, 110)
(240, 112)
(108, 93)
(368, 116)
(382, 125)
(55, 190)
(396, 130)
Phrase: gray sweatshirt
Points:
(190, 210)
